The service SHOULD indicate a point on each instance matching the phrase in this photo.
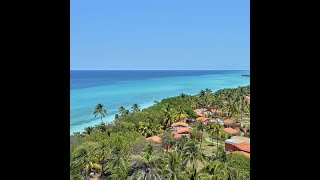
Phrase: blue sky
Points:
(160, 34)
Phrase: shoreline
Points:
(110, 119)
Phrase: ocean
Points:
(124, 88)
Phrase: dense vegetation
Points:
(118, 150)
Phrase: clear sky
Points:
(160, 34)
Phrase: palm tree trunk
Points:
(212, 140)
(85, 174)
(217, 140)
(102, 174)
(101, 118)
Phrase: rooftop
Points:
(243, 146)
(155, 139)
(183, 130)
(228, 121)
(241, 138)
(229, 130)
(183, 124)
(202, 119)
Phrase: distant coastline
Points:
(124, 88)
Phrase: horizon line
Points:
(159, 69)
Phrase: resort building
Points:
(231, 131)
(216, 113)
(203, 119)
(243, 146)
(199, 112)
(238, 143)
(219, 113)
(178, 125)
(228, 123)
(180, 129)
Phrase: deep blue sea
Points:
(124, 88)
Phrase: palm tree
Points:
(200, 127)
(242, 95)
(192, 154)
(216, 128)
(116, 116)
(88, 130)
(207, 91)
(99, 109)
(181, 114)
(135, 108)
(122, 110)
(119, 154)
(167, 139)
(202, 98)
(145, 129)
(82, 158)
(101, 127)
(190, 174)
(180, 142)
(174, 165)
(147, 167)
(102, 151)
(183, 95)
(202, 93)
(168, 115)
(218, 170)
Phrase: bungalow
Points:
(180, 129)
(203, 119)
(243, 146)
(207, 114)
(238, 143)
(241, 138)
(230, 131)
(178, 125)
(228, 122)
(183, 130)
(199, 112)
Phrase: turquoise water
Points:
(89, 88)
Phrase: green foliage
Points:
(118, 150)
(241, 163)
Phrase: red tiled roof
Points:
(183, 130)
(243, 153)
(200, 115)
(155, 139)
(228, 121)
(203, 119)
(237, 128)
(243, 146)
(229, 130)
(183, 124)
